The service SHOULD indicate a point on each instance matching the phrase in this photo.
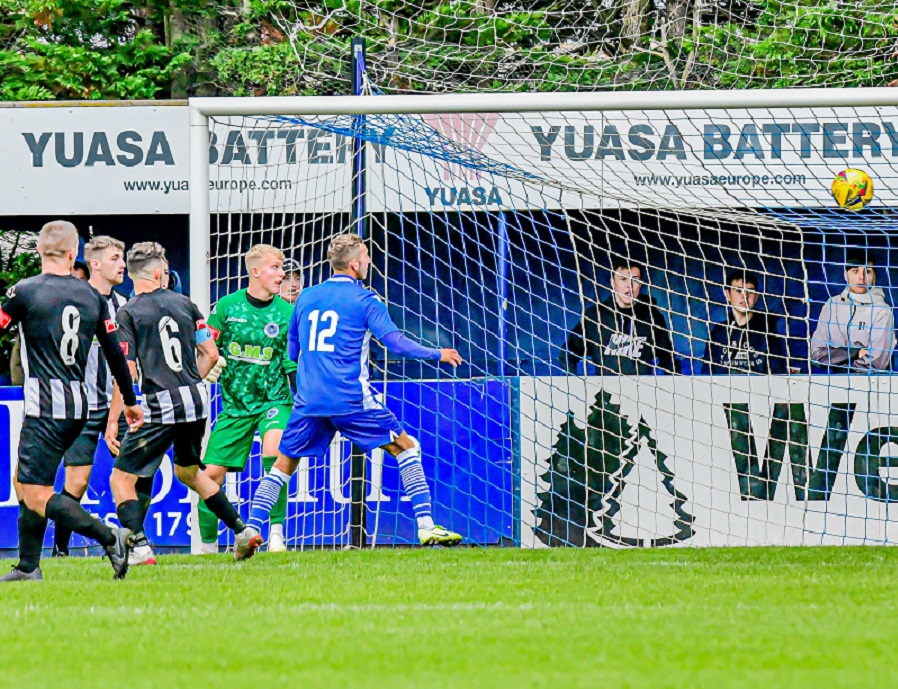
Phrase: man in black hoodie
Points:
(748, 341)
(624, 334)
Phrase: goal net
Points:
(453, 46)
(672, 334)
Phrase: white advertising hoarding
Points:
(134, 160)
(83, 160)
(709, 461)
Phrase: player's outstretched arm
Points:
(384, 329)
(400, 345)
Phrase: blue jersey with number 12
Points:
(331, 333)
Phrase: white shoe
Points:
(209, 549)
(141, 555)
(276, 542)
(247, 543)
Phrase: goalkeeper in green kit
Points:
(250, 329)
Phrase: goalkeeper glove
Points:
(212, 376)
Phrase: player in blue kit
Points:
(329, 337)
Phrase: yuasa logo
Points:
(466, 134)
(90, 149)
(469, 130)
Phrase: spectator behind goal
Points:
(856, 329)
(625, 334)
(747, 341)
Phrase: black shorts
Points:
(82, 451)
(142, 450)
(42, 444)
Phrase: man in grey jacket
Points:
(855, 331)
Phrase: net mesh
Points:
(563, 45)
(584, 413)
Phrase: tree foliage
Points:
(478, 45)
(18, 260)
(83, 49)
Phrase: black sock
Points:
(68, 513)
(130, 515)
(32, 527)
(222, 508)
(144, 495)
(63, 534)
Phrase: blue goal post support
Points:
(358, 224)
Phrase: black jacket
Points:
(757, 348)
(620, 341)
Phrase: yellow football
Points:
(852, 189)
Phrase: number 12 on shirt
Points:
(319, 341)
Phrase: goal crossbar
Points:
(534, 102)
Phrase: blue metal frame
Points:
(515, 418)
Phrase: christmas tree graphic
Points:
(587, 475)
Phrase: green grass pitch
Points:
(426, 619)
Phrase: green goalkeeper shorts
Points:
(232, 436)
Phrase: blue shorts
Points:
(310, 436)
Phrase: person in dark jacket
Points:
(748, 341)
(625, 334)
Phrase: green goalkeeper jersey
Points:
(254, 341)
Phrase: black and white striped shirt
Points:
(185, 403)
(159, 332)
(59, 316)
(98, 378)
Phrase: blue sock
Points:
(415, 485)
(266, 495)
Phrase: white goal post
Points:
(502, 220)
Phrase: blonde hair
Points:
(343, 249)
(93, 250)
(57, 238)
(257, 252)
(144, 258)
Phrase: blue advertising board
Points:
(468, 458)
(467, 452)
(168, 521)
